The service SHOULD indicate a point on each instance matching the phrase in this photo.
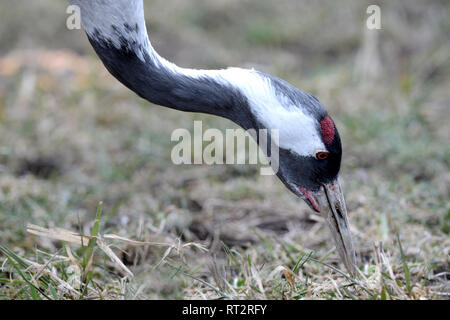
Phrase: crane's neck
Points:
(117, 32)
(253, 100)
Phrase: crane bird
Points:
(309, 144)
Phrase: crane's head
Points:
(309, 148)
(313, 176)
(309, 159)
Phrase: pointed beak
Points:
(332, 207)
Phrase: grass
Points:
(71, 137)
(69, 274)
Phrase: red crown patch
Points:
(327, 129)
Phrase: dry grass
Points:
(71, 136)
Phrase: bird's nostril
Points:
(339, 212)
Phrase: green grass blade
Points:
(405, 266)
(17, 263)
(94, 234)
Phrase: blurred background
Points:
(71, 136)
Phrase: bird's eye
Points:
(322, 155)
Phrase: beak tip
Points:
(332, 202)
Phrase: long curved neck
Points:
(253, 100)
(117, 31)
